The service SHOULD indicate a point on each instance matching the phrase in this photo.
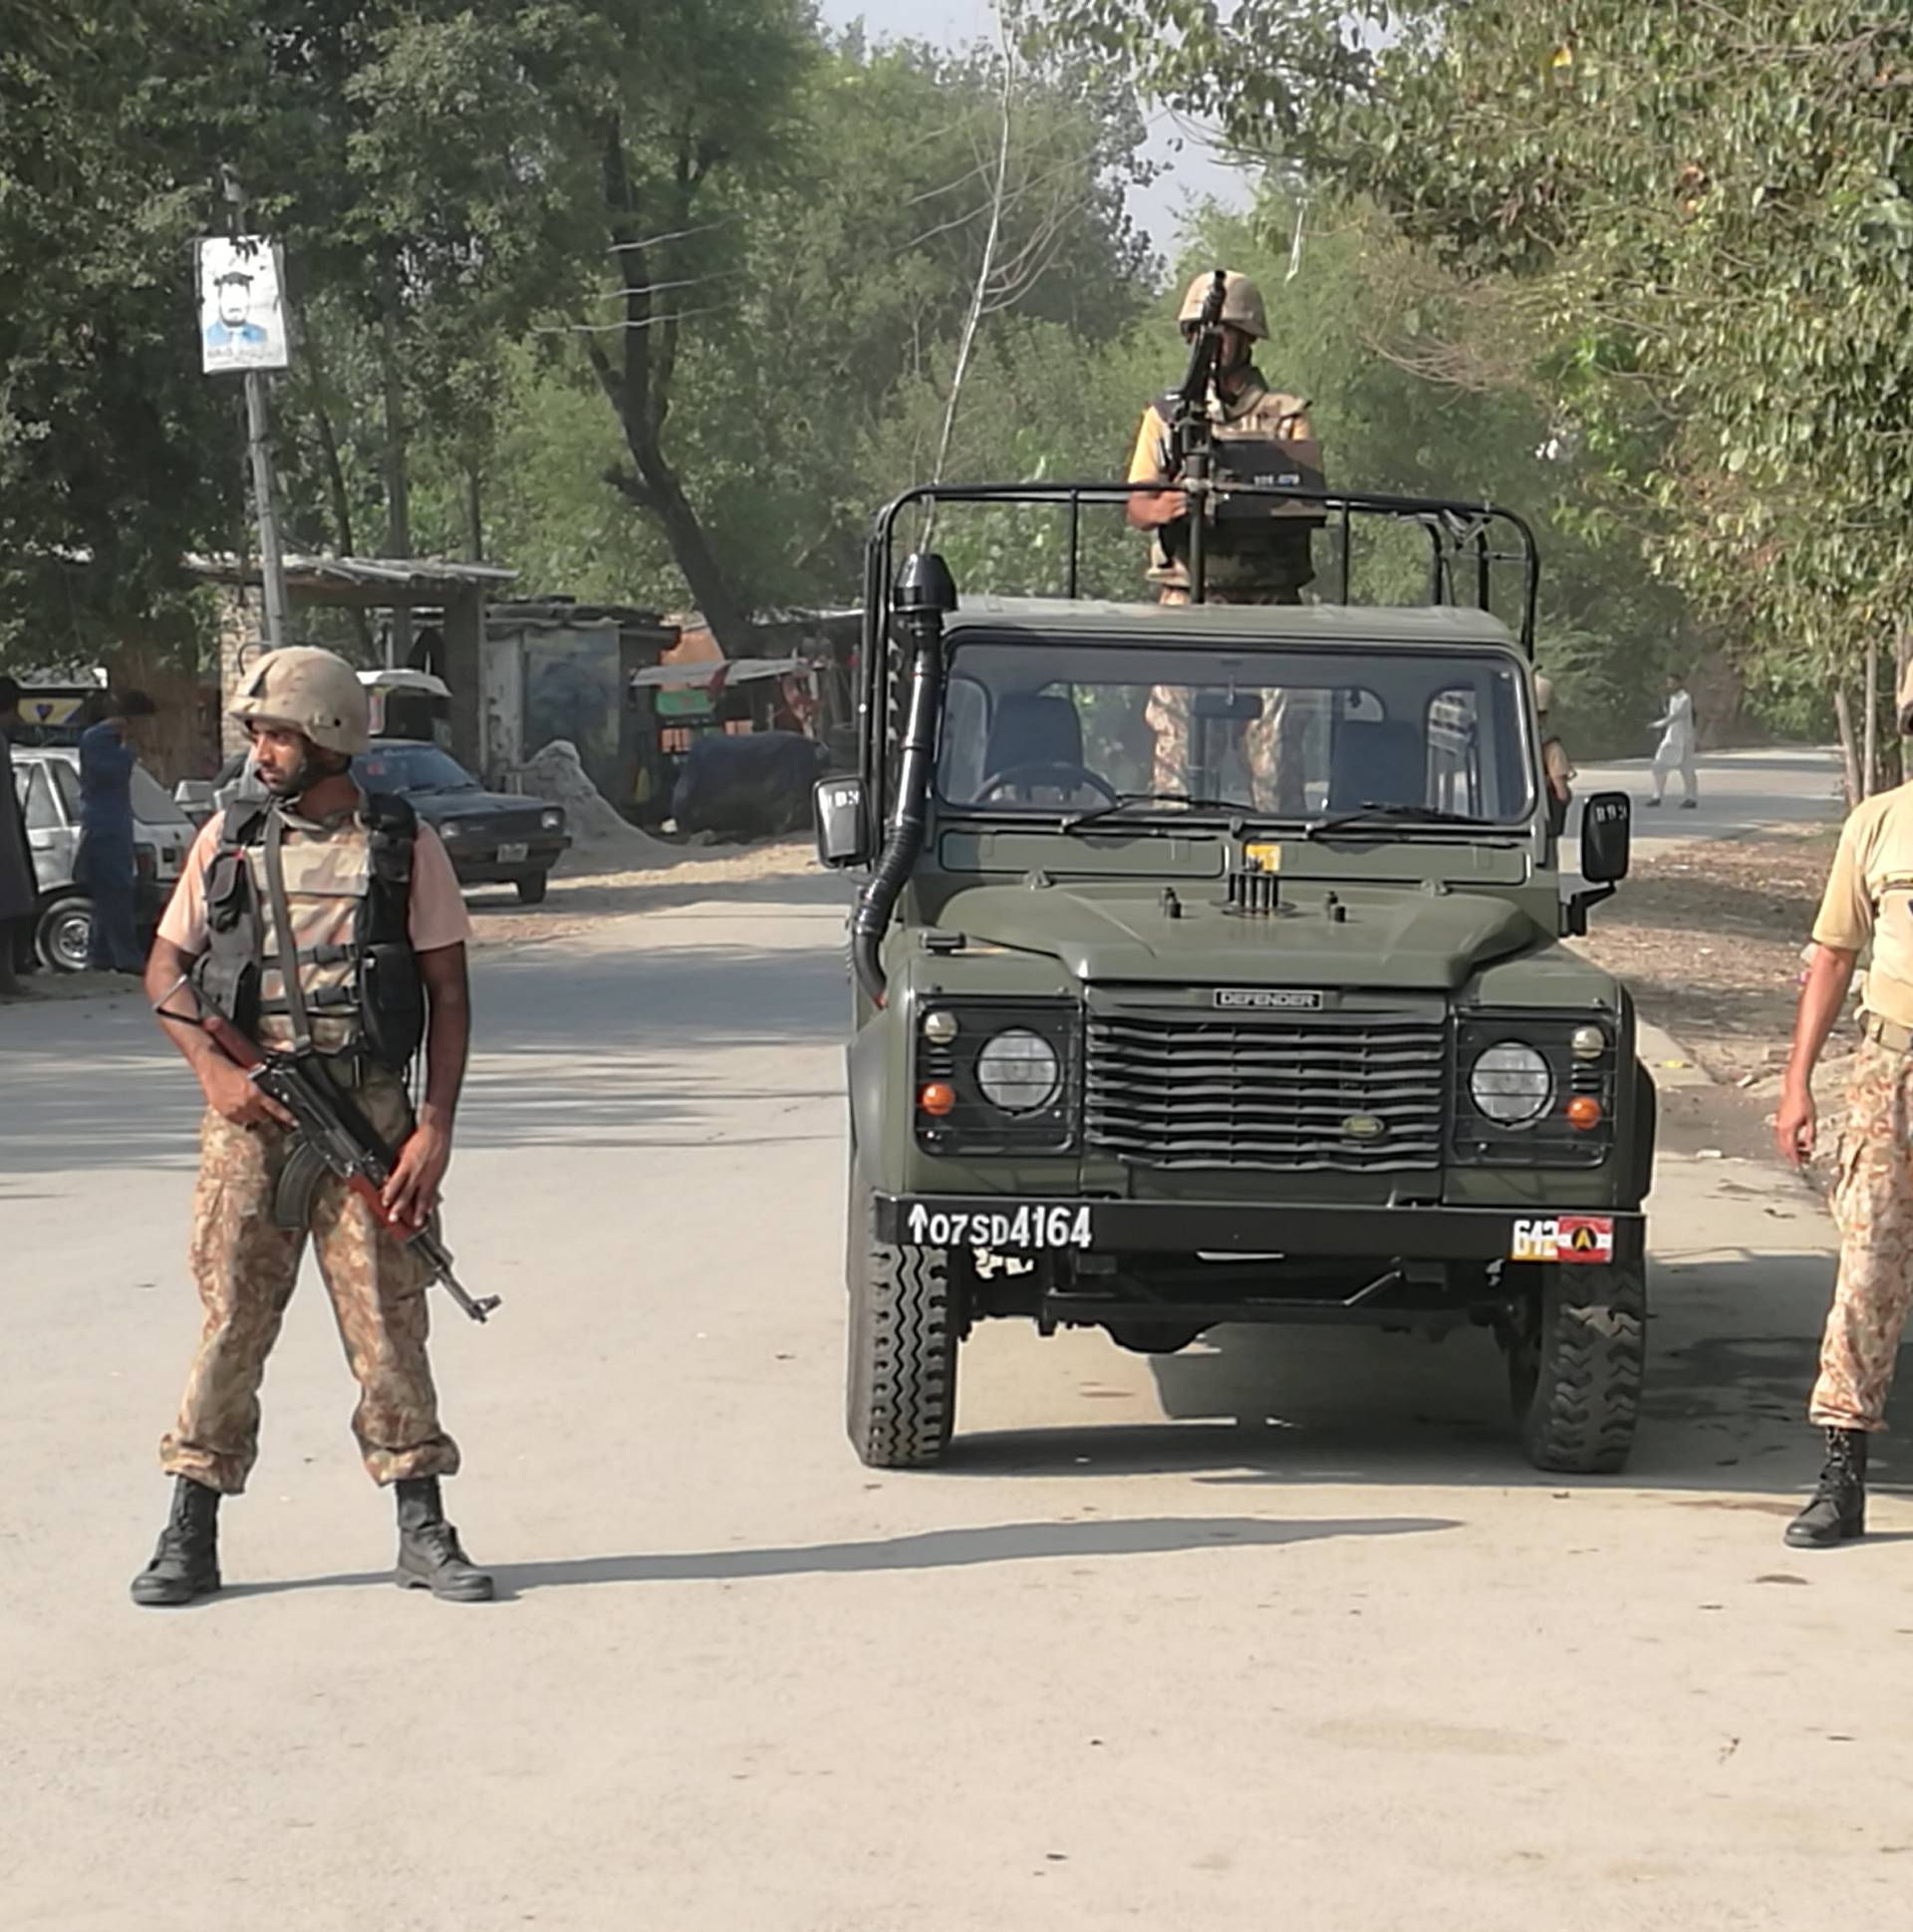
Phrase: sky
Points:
(1191, 170)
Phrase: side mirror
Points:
(1608, 824)
(843, 831)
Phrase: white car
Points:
(47, 779)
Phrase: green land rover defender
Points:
(1208, 968)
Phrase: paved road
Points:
(1278, 1630)
(1741, 792)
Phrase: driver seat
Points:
(1033, 729)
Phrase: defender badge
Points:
(1266, 999)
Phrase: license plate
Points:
(1027, 1225)
(511, 855)
(1562, 1238)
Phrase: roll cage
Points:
(1467, 543)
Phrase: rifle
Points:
(334, 1137)
(1191, 433)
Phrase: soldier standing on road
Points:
(1869, 900)
(1260, 560)
(326, 922)
(1675, 752)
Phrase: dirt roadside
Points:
(1708, 938)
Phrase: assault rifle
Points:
(334, 1137)
(1191, 433)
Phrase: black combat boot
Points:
(186, 1562)
(1837, 1511)
(429, 1556)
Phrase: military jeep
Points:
(1208, 970)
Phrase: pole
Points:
(272, 562)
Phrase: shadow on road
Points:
(1002, 1542)
(1731, 1352)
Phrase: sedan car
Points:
(47, 781)
(494, 838)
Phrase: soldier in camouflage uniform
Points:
(1265, 561)
(348, 872)
(1868, 902)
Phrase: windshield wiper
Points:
(1124, 800)
(1371, 808)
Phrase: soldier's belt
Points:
(1888, 1032)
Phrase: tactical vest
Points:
(348, 896)
(1254, 556)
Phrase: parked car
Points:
(494, 838)
(47, 779)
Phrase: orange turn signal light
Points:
(1583, 1112)
(938, 1097)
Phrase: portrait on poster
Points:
(242, 319)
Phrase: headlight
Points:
(551, 820)
(1511, 1084)
(1018, 1071)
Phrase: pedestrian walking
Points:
(1868, 902)
(326, 923)
(1675, 752)
(19, 891)
(1557, 769)
(105, 864)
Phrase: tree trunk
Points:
(1870, 734)
(398, 474)
(1849, 750)
(341, 500)
(639, 384)
(475, 516)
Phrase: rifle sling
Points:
(288, 960)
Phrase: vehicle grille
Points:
(1359, 1092)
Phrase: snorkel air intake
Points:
(926, 593)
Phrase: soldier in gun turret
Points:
(327, 921)
(1252, 560)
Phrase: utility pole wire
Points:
(967, 342)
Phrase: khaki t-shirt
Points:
(1869, 898)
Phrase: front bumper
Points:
(1369, 1231)
(481, 864)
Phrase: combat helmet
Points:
(1241, 302)
(305, 690)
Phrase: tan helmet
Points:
(1543, 693)
(1241, 302)
(309, 691)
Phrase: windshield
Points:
(1071, 727)
(411, 767)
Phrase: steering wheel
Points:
(1058, 777)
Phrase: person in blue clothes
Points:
(106, 866)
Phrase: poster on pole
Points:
(242, 321)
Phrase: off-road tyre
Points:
(1575, 1357)
(531, 892)
(905, 1323)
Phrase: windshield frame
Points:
(1143, 818)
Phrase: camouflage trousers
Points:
(245, 1266)
(1271, 746)
(1872, 1201)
